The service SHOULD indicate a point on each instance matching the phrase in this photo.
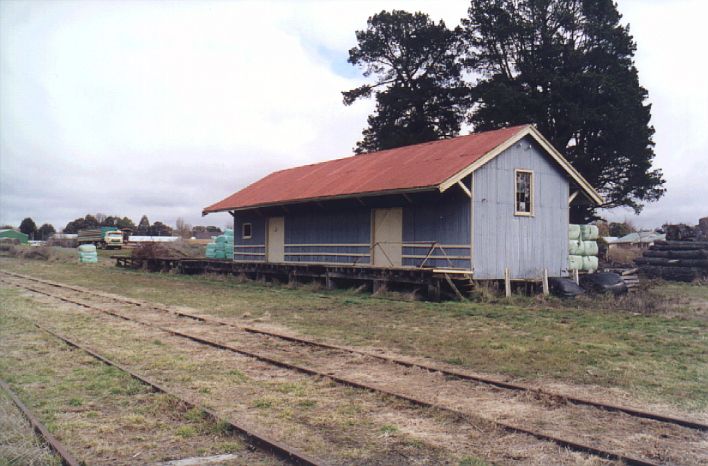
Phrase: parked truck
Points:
(103, 237)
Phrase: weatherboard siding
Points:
(526, 245)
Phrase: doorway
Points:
(275, 252)
(388, 237)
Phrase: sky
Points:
(162, 108)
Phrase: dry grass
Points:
(18, 443)
(42, 253)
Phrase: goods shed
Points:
(487, 204)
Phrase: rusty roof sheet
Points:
(407, 168)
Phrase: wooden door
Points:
(276, 239)
(387, 237)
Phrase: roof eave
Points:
(324, 198)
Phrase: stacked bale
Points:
(220, 252)
(88, 253)
(582, 247)
(222, 247)
(675, 260)
(229, 243)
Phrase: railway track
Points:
(149, 319)
(252, 436)
(67, 459)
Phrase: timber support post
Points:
(546, 291)
(379, 285)
(329, 282)
(507, 283)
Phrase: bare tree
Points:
(100, 218)
(183, 229)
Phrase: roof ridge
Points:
(379, 152)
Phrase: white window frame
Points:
(243, 230)
(532, 202)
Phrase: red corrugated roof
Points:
(414, 167)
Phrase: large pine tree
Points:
(568, 67)
(419, 92)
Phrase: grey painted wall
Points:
(526, 245)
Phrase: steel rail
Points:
(40, 430)
(691, 424)
(572, 445)
(257, 439)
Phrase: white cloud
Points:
(165, 107)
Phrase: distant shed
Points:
(480, 204)
(14, 234)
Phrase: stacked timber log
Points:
(675, 260)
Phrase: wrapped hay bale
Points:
(575, 248)
(575, 262)
(87, 248)
(210, 250)
(590, 263)
(220, 239)
(589, 248)
(589, 232)
(88, 256)
(220, 248)
(573, 232)
(229, 233)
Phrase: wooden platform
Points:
(434, 283)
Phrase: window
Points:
(524, 192)
(246, 231)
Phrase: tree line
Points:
(90, 221)
(566, 66)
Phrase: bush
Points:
(623, 256)
(44, 253)
(150, 251)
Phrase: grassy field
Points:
(652, 346)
